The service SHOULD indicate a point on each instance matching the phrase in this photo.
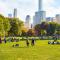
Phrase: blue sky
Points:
(29, 7)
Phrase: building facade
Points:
(58, 18)
(27, 22)
(50, 19)
(40, 15)
(15, 13)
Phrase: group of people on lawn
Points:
(27, 41)
(55, 41)
(1, 40)
(32, 42)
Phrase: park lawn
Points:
(41, 51)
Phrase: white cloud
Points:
(50, 9)
(28, 7)
(3, 7)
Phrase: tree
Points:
(24, 31)
(51, 28)
(58, 30)
(30, 32)
(43, 26)
(20, 26)
(37, 29)
(4, 25)
(7, 26)
(40, 29)
(16, 27)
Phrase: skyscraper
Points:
(40, 15)
(50, 19)
(58, 18)
(15, 13)
(40, 5)
(27, 22)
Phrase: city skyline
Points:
(28, 7)
(40, 15)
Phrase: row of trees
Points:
(44, 28)
(15, 27)
(50, 28)
(10, 26)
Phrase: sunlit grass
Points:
(41, 51)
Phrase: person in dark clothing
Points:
(5, 40)
(27, 42)
(55, 38)
(0, 40)
(32, 42)
(12, 39)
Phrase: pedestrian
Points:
(0, 40)
(5, 40)
(55, 38)
(32, 42)
(27, 42)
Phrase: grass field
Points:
(41, 51)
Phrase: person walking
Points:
(0, 40)
(5, 40)
(27, 42)
(32, 42)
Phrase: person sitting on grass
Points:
(16, 45)
(55, 39)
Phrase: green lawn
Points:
(41, 51)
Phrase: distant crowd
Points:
(12, 40)
(27, 41)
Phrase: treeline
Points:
(10, 26)
(15, 27)
(49, 29)
(43, 29)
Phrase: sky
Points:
(29, 7)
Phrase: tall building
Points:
(40, 15)
(50, 19)
(15, 13)
(40, 5)
(58, 18)
(27, 22)
(10, 15)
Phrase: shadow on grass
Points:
(21, 47)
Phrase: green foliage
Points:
(37, 29)
(4, 25)
(51, 28)
(47, 28)
(16, 27)
(10, 26)
(58, 29)
(40, 28)
(24, 33)
(43, 25)
(30, 32)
